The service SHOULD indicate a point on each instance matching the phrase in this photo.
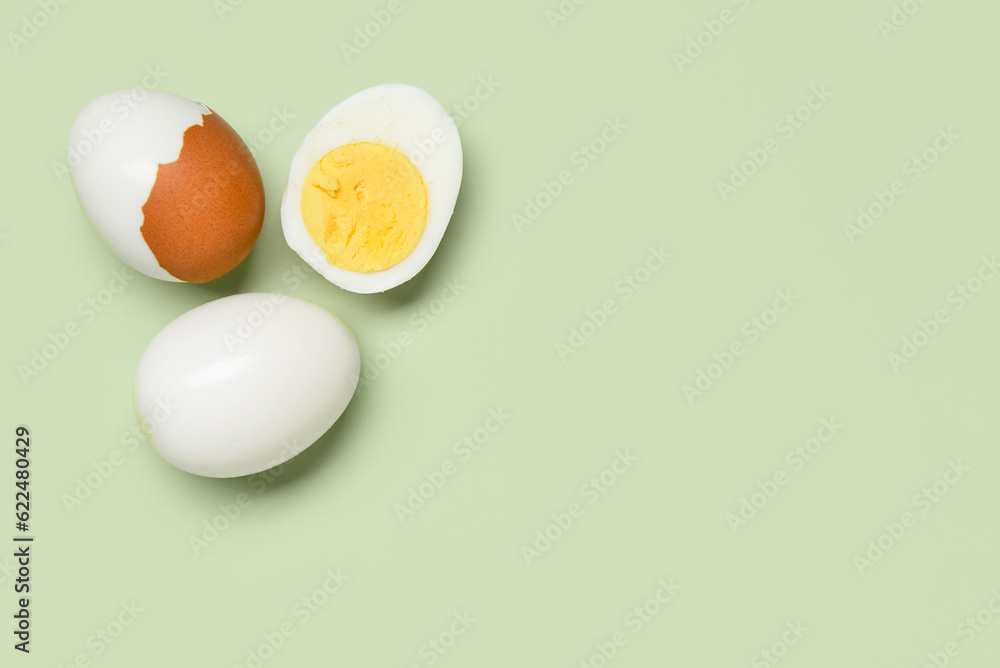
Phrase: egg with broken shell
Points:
(168, 183)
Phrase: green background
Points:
(333, 507)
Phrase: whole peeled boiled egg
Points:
(372, 188)
(244, 383)
(168, 183)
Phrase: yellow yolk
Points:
(365, 204)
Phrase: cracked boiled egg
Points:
(372, 188)
(169, 185)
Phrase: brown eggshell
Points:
(205, 209)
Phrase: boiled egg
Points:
(244, 383)
(372, 188)
(168, 183)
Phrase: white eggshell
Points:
(115, 147)
(408, 119)
(244, 383)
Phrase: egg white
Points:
(408, 119)
(243, 383)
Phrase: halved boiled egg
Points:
(169, 185)
(372, 188)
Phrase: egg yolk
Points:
(365, 204)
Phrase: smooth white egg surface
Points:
(398, 117)
(244, 383)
